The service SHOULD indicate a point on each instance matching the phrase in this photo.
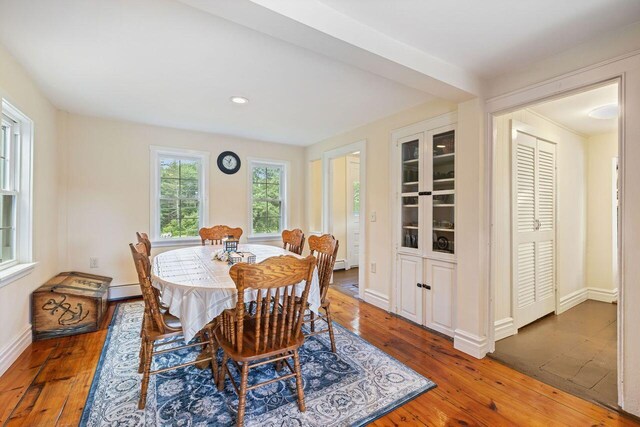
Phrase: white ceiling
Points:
(491, 37)
(162, 62)
(573, 111)
(311, 68)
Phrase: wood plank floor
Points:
(49, 383)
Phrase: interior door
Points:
(534, 222)
(353, 211)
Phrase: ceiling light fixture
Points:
(609, 111)
(238, 99)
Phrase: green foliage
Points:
(266, 200)
(179, 198)
(356, 197)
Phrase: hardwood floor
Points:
(49, 383)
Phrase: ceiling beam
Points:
(314, 26)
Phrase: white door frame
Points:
(327, 156)
(589, 78)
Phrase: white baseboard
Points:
(471, 344)
(124, 291)
(604, 295)
(10, 352)
(376, 298)
(581, 295)
(341, 264)
(573, 299)
(504, 328)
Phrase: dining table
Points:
(196, 287)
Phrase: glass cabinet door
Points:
(410, 206)
(443, 194)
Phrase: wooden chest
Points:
(69, 303)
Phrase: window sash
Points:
(160, 201)
(280, 200)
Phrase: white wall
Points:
(601, 149)
(107, 183)
(378, 234)
(571, 216)
(20, 91)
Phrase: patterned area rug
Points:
(353, 387)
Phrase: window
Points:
(268, 195)
(179, 202)
(15, 192)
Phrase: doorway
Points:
(343, 200)
(555, 230)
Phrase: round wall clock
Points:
(229, 162)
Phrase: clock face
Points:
(229, 162)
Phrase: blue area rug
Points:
(353, 387)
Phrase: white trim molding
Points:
(16, 272)
(574, 298)
(376, 298)
(604, 295)
(124, 291)
(504, 328)
(471, 344)
(14, 349)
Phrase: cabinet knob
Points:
(427, 287)
(419, 285)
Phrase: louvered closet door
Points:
(534, 217)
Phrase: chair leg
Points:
(142, 354)
(312, 315)
(242, 398)
(327, 312)
(223, 371)
(296, 367)
(148, 351)
(213, 352)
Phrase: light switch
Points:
(373, 216)
(373, 267)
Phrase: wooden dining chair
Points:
(325, 249)
(160, 326)
(216, 233)
(273, 333)
(293, 241)
(144, 239)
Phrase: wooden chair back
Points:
(293, 241)
(144, 239)
(278, 317)
(150, 297)
(218, 232)
(325, 249)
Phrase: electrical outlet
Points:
(373, 216)
(373, 267)
(93, 262)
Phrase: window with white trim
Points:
(267, 198)
(15, 187)
(178, 193)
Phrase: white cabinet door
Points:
(439, 292)
(409, 288)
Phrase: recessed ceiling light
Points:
(609, 111)
(238, 99)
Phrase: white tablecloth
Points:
(197, 289)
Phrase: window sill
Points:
(264, 238)
(177, 242)
(16, 272)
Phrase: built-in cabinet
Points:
(425, 216)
